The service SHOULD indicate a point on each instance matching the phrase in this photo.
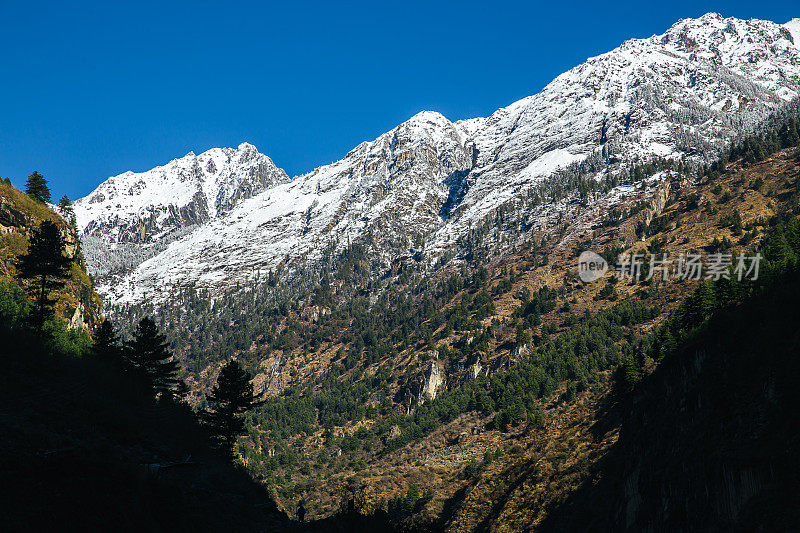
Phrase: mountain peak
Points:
(426, 121)
(683, 95)
(145, 206)
(428, 116)
(246, 147)
(711, 15)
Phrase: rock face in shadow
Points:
(708, 441)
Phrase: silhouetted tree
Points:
(106, 345)
(231, 397)
(45, 263)
(149, 354)
(36, 187)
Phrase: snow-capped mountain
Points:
(680, 94)
(390, 189)
(683, 95)
(135, 215)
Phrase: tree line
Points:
(144, 358)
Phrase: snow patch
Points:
(550, 162)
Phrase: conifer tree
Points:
(106, 345)
(181, 391)
(699, 305)
(149, 354)
(231, 397)
(46, 264)
(627, 375)
(36, 187)
(523, 337)
(65, 207)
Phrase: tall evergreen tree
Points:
(106, 345)
(65, 207)
(46, 264)
(231, 397)
(149, 353)
(36, 187)
(698, 306)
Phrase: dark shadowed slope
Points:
(709, 440)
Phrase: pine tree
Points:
(737, 227)
(793, 137)
(45, 263)
(149, 354)
(65, 207)
(780, 251)
(698, 306)
(106, 345)
(36, 187)
(231, 397)
(181, 391)
(627, 375)
(523, 337)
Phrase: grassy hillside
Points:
(77, 303)
(705, 440)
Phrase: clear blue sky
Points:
(89, 90)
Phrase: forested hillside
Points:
(86, 444)
(384, 385)
(20, 215)
(702, 437)
(503, 395)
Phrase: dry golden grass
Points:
(14, 242)
(548, 462)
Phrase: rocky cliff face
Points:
(133, 216)
(231, 214)
(424, 386)
(11, 217)
(76, 303)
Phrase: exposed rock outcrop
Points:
(425, 386)
(10, 216)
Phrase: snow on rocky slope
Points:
(389, 189)
(680, 94)
(134, 215)
(221, 217)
